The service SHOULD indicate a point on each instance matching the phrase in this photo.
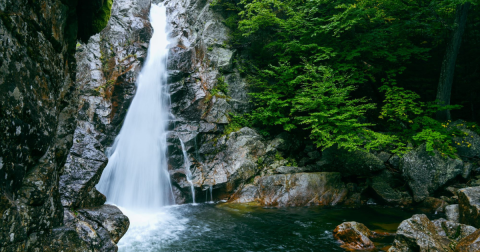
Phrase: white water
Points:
(187, 165)
(136, 176)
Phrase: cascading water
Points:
(136, 176)
(187, 165)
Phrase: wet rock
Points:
(453, 213)
(247, 194)
(426, 173)
(110, 217)
(354, 236)
(302, 189)
(358, 163)
(101, 227)
(469, 206)
(469, 243)
(232, 161)
(419, 234)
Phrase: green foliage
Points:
(235, 123)
(411, 120)
(314, 58)
(102, 17)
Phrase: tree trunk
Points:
(448, 65)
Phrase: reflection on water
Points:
(237, 227)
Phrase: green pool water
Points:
(237, 227)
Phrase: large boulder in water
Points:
(298, 189)
(100, 227)
(425, 173)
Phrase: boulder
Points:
(426, 173)
(354, 236)
(248, 193)
(469, 206)
(453, 213)
(351, 163)
(302, 189)
(100, 227)
(453, 230)
(419, 234)
(469, 243)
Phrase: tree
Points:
(448, 65)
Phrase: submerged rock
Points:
(426, 173)
(469, 206)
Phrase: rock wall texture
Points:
(38, 103)
(206, 85)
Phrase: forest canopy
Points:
(360, 74)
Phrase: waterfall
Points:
(136, 176)
(187, 165)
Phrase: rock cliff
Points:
(38, 104)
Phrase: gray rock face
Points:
(38, 100)
(302, 189)
(205, 86)
(469, 206)
(352, 163)
(232, 161)
(425, 173)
